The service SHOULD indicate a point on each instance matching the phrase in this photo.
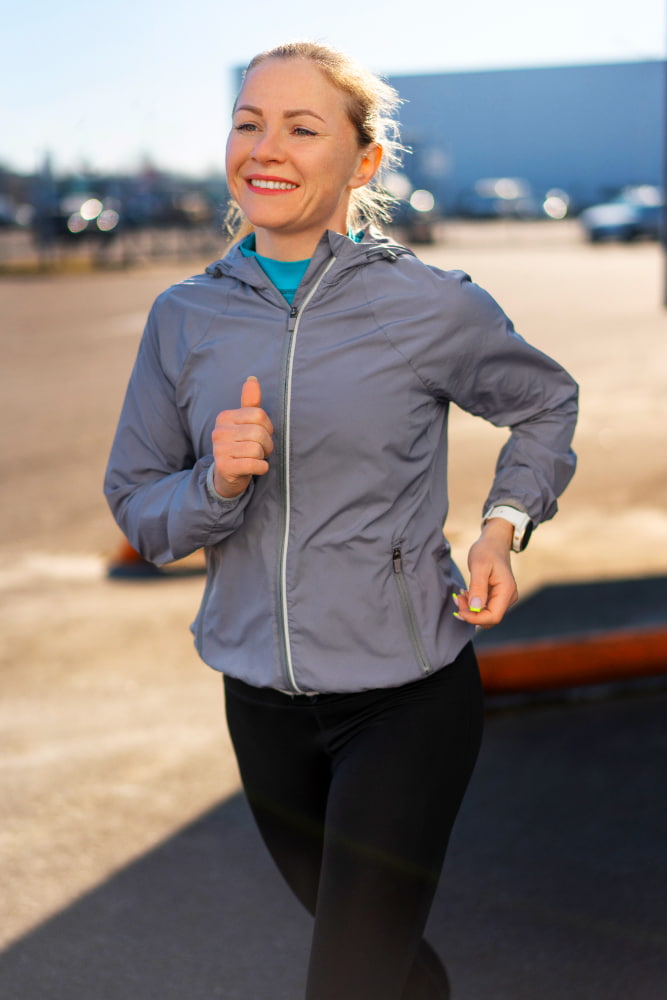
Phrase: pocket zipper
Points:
(397, 560)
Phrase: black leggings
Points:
(355, 796)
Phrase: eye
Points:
(302, 130)
(246, 127)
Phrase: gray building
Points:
(586, 129)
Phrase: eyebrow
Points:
(296, 113)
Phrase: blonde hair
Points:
(370, 105)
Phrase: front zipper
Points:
(295, 314)
(408, 610)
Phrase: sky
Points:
(108, 86)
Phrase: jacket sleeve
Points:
(493, 373)
(155, 485)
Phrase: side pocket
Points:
(408, 610)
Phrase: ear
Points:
(368, 164)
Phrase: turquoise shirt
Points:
(286, 275)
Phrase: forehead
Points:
(285, 84)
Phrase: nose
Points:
(268, 147)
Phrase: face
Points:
(293, 157)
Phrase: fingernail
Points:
(455, 614)
(252, 378)
(475, 604)
(455, 598)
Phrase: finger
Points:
(499, 602)
(244, 449)
(242, 467)
(228, 437)
(239, 424)
(478, 593)
(502, 598)
(463, 611)
(251, 393)
(481, 619)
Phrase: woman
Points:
(332, 606)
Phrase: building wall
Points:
(587, 129)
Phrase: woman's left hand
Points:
(492, 585)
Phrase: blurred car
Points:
(635, 213)
(557, 204)
(75, 217)
(87, 215)
(416, 216)
(499, 198)
(7, 211)
(414, 212)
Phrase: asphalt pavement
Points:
(125, 873)
(555, 887)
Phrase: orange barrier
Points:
(128, 563)
(126, 555)
(571, 661)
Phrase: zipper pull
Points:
(396, 557)
(293, 313)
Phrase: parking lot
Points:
(130, 865)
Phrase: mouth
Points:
(269, 184)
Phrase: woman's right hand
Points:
(242, 442)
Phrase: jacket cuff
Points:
(213, 493)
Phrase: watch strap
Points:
(521, 522)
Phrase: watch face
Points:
(525, 538)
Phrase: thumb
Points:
(251, 393)
(478, 593)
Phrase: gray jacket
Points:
(331, 572)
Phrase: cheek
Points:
(347, 160)
(233, 150)
(232, 161)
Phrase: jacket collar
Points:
(349, 254)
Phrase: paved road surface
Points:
(554, 889)
(130, 868)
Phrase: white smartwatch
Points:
(523, 526)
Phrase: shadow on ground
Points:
(555, 884)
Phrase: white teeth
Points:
(273, 185)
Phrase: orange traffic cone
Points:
(127, 564)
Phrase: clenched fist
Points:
(242, 442)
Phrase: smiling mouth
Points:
(255, 182)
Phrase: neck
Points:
(286, 247)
